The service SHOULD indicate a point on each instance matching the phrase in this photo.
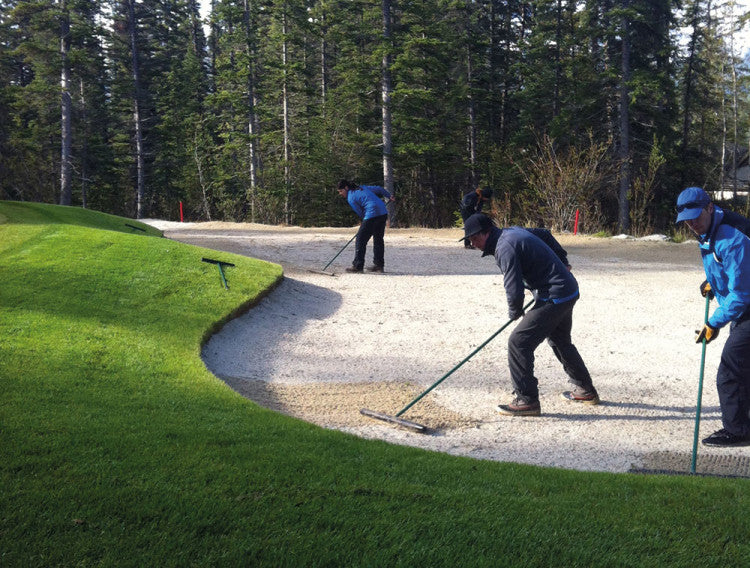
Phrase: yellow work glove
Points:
(706, 290)
(708, 333)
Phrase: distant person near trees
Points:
(725, 249)
(472, 203)
(367, 203)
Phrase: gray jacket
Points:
(528, 263)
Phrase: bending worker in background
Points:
(527, 262)
(472, 203)
(725, 249)
(366, 202)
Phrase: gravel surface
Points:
(322, 347)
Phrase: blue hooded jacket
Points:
(726, 260)
(366, 202)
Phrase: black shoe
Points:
(724, 439)
(354, 269)
(581, 396)
(375, 268)
(520, 407)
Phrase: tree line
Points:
(606, 107)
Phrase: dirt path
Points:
(321, 347)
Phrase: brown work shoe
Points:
(353, 269)
(375, 268)
(520, 407)
(581, 396)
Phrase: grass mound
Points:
(120, 449)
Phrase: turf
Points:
(119, 448)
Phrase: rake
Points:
(331, 261)
(700, 395)
(396, 419)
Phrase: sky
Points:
(742, 38)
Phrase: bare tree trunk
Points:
(201, 178)
(323, 65)
(735, 117)
(139, 151)
(724, 128)
(496, 121)
(387, 129)
(285, 104)
(195, 29)
(84, 149)
(471, 110)
(624, 150)
(473, 181)
(688, 82)
(252, 124)
(213, 34)
(66, 134)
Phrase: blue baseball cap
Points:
(690, 203)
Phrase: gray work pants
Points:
(552, 322)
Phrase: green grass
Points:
(118, 447)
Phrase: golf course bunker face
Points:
(337, 405)
(727, 465)
(322, 348)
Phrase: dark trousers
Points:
(554, 323)
(465, 214)
(370, 228)
(733, 379)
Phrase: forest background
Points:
(254, 113)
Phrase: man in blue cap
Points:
(533, 259)
(725, 249)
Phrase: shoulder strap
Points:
(732, 219)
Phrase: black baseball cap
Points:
(477, 223)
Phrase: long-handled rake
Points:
(220, 264)
(700, 394)
(414, 425)
(334, 258)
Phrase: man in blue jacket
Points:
(726, 260)
(527, 262)
(366, 202)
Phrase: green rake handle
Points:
(454, 369)
(700, 395)
(220, 263)
(223, 278)
(338, 253)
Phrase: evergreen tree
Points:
(701, 92)
(92, 123)
(180, 88)
(429, 102)
(231, 109)
(33, 142)
(113, 105)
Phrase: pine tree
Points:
(232, 114)
(34, 138)
(179, 87)
(111, 105)
(429, 105)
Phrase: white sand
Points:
(322, 347)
